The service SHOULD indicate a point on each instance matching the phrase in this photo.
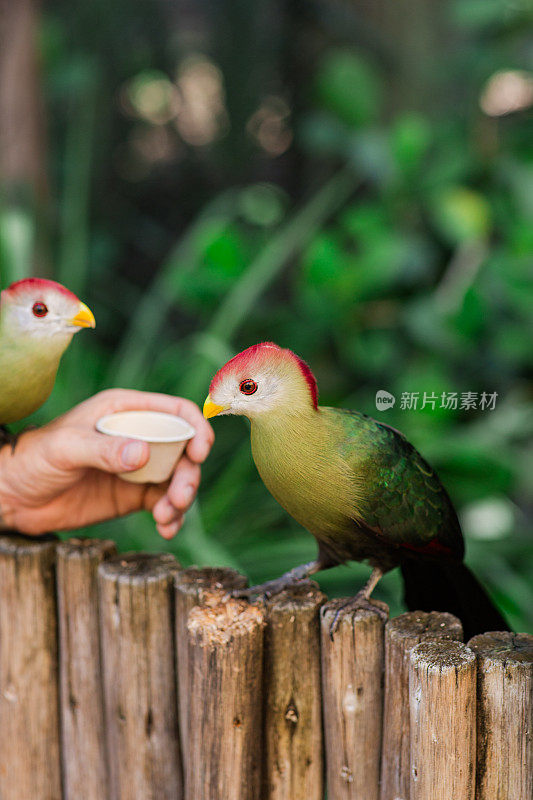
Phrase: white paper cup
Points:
(166, 434)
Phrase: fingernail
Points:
(188, 493)
(132, 454)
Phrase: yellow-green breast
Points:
(27, 375)
(301, 465)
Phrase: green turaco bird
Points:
(38, 318)
(356, 484)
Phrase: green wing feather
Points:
(404, 501)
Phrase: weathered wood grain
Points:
(352, 686)
(80, 668)
(504, 715)
(190, 587)
(29, 705)
(225, 647)
(401, 635)
(136, 620)
(293, 749)
(442, 701)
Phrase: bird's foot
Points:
(291, 578)
(360, 601)
(267, 589)
(6, 437)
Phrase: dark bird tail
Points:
(450, 586)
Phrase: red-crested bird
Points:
(38, 319)
(356, 484)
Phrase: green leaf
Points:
(324, 260)
(262, 204)
(480, 14)
(348, 85)
(461, 214)
(410, 138)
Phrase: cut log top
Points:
(15, 544)
(134, 568)
(503, 647)
(213, 625)
(193, 581)
(348, 617)
(86, 548)
(424, 624)
(441, 655)
(301, 597)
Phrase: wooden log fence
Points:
(30, 763)
(136, 627)
(194, 587)
(352, 687)
(125, 677)
(80, 667)
(293, 741)
(402, 634)
(225, 681)
(442, 719)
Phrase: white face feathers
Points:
(249, 395)
(41, 309)
(252, 389)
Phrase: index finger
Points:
(112, 400)
(200, 445)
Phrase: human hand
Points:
(64, 475)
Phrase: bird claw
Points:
(360, 601)
(265, 590)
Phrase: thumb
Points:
(108, 453)
(133, 454)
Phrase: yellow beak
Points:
(84, 318)
(211, 409)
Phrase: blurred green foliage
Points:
(214, 192)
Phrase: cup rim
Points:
(100, 426)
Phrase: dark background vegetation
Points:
(352, 179)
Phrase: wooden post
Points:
(442, 700)
(225, 647)
(401, 635)
(136, 623)
(29, 706)
(191, 584)
(80, 669)
(352, 686)
(504, 715)
(293, 749)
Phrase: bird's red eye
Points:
(248, 386)
(39, 309)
